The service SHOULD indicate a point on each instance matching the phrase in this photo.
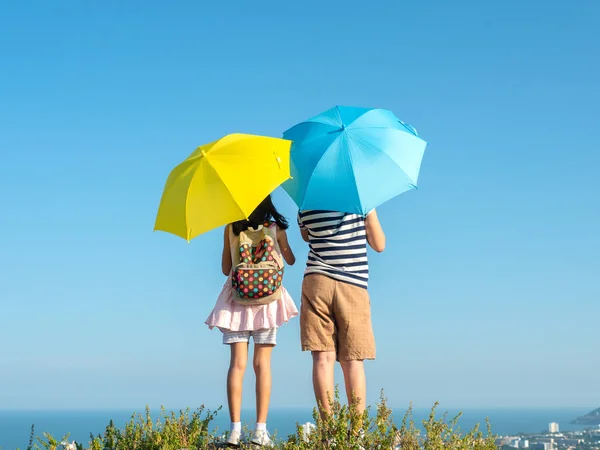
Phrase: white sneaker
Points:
(262, 438)
(360, 436)
(234, 438)
(307, 429)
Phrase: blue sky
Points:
(487, 294)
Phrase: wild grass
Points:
(344, 429)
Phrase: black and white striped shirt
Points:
(338, 246)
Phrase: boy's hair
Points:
(263, 213)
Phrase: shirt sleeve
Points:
(300, 223)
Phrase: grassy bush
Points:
(344, 429)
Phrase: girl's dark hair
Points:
(264, 212)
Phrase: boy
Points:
(335, 317)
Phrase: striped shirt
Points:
(338, 246)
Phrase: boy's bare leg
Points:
(323, 381)
(356, 388)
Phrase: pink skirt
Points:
(229, 315)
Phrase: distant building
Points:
(570, 442)
(515, 442)
(553, 427)
(542, 446)
(524, 443)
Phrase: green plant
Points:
(48, 442)
(31, 438)
(171, 431)
(344, 429)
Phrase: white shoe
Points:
(307, 429)
(262, 438)
(360, 436)
(234, 438)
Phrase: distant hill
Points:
(591, 418)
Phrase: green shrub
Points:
(344, 429)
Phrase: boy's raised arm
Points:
(375, 234)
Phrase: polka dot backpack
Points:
(257, 265)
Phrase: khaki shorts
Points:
(336, 317)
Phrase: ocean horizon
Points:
(15, 425)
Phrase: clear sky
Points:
(488, 293)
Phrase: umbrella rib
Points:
(379, 150)
(223, 182)
(405, 130)
(354, 175)
(412, 182)
(313, 171)
(317, 165)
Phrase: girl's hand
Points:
(226, 262)
(284, 246)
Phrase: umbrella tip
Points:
(409, 128)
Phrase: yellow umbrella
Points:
(222, 182)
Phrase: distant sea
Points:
(15, 426)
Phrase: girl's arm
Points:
(226, 262)
(284, 245)
(375, 234)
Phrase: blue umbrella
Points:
(352, 159)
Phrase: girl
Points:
(238, 322)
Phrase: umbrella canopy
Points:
(352, 160)
(222, 182)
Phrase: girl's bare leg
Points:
(235, 378)
(262, 369)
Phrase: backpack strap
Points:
(268, 229)
(271, 231)
(236, 241)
